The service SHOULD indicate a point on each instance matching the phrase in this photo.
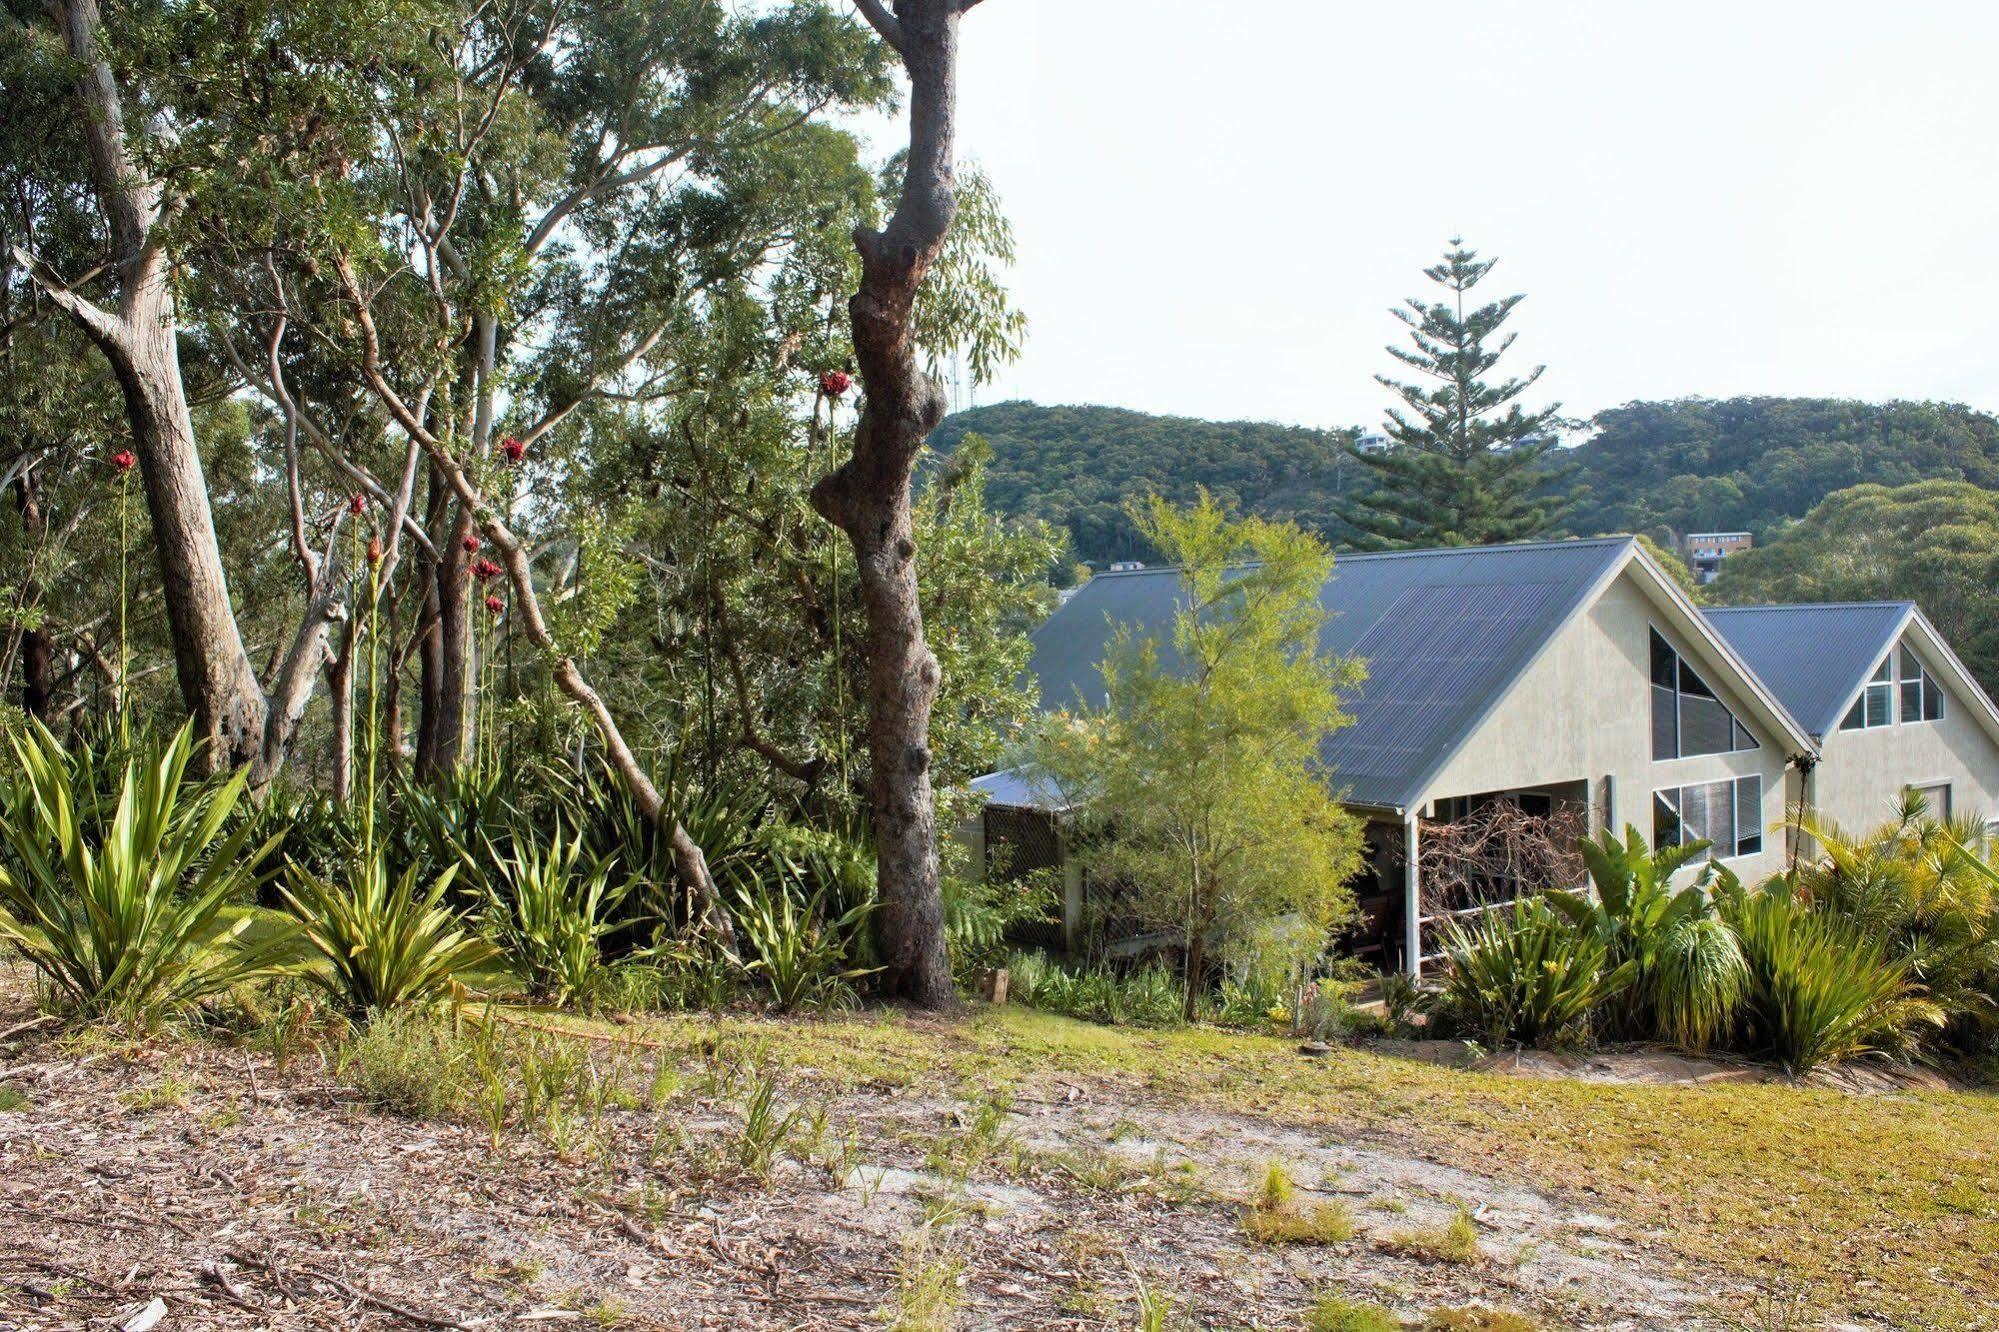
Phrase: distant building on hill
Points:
(1372, 441)
(1127, 566)
(1706, 550)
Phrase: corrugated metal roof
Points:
(1444, 633)
(1012, 786)
(1814, 658)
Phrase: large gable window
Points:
(1687, 718)
(1727, 814)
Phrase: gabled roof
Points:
(1445, 633)
(1816, 657)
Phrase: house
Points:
(1572, 676)
(1888, 705)
(1706, 550)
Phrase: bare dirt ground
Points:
(241, 1195)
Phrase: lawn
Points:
(1884, 1206)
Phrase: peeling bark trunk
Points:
(868, 498)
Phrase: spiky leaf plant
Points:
(383, 943)
(1526, 973)
(118, 905)
(549, 908)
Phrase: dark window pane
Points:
(1691, 683)
(1705, 726)
(1856, 716)
(1665, 819)
(1912, 700)
(1743, 739)
(1748, 816)
(1664, 662)
(1932, 698)
(1665, 724)
(1911, 668)
(1886, 670)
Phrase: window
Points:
(1937, 797)
(1922, 696)
(1687, 718)
(1727, 814)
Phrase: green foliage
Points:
(549, 909)
(383, 943)
(118, 906)
(800, 950)
(1144, 997)
(1198, 781)
(1934, 542)
(409, 1063)
(1075, 467)
(1819, 990)
(1688, 973)
(1336, 1313)
(1527, 973)
(1754, 464)
(1466, 466)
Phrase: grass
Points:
(1276, 1216)
(1475, 1319)
(1743, 1178)
(1336, 1313)
(1455, 1242)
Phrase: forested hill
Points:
(1695, 463)
(1074, 466)
(1752, 463)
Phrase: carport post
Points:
(1412, 910)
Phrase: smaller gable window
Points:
(1922, 696)
(1727, 814)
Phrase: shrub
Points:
(1819, 990)
(1525, 973)
(1687, 970)
(118, 906)
(383, 944)
(549, 911)
(409, 1064)
(799, 954)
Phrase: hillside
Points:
(1755, 463)
(1749, 463)
(1074, 466)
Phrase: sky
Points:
(1217, 203)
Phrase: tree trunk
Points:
(340, 695)
(38, 668)
(141, 343)
(441, 736)
(868, 498)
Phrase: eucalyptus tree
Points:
(101, 245)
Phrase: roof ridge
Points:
(1902, 604)
(1347, 557)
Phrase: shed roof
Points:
(1444, 633)
(1815, 658)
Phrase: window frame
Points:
(1674, 663)
(1672, 802)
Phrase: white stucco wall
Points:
(1583, 711)
(1861, 774)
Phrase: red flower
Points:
(374, 550)
(494, 605)
(835, 382)
(358, 503)
(512, 449)
(124, 460)
(485, 571)
(471, 544)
